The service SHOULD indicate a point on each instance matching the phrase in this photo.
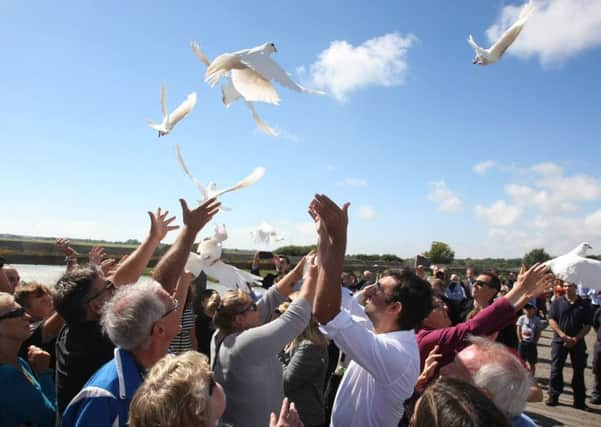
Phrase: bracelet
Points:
(70, 258)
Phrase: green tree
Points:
(390, 258)
(440, 253)
(534, 256)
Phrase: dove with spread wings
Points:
(171, 119)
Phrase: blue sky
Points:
(399, 140)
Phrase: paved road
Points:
(564, 414)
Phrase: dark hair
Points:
(494, 280)
(73, 291)
(450, 402)
(415, 294)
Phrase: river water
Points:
(49, 275)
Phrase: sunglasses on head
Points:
(17, 312)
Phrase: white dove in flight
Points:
(574, 267)
(496, 51)
(265, 233)
(170, 120)
(211, 190)
(230, 94)
(252, 71)
(208, 259)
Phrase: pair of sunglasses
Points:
(17, 312)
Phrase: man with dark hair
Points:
(81, 348)
(281, 264)
(570, 318)
(385, 361)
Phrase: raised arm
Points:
(331, 223)
(171, 265)
(133, 267)
(286, 284)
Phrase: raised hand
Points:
(288, 416)
(96, 255)
(430, 365)
(197, 218)
(160, 225)
(108, 266)
(63, 246)
(535, 280)
(330, 217)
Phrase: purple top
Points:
(452, 340)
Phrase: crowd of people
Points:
(319, 347)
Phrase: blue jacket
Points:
(105, 398)
(23, 401)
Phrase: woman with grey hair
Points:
(141, 320)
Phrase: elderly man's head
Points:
(141, 316)
(496, 371)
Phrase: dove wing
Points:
(498, 49)
(220, 66)
(254, 87)
(164, 100)
(199, 53)
(271, 70)
(472, 43)
(265, 128)
(183, 110)
(256, 175)
(180, 160)
(230, 277)
(579, 270)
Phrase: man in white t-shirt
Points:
(385, 361)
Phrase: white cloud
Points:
(556, 30)
(553, 192)
(499, 214)
(547, 169)
(366, 212)
(343, 68)
(482, 167)
(354, 182)
(594, 222)
(446, 199)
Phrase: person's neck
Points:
(9, 352)
(383, 327)
(479, 303)
(572, 299)
(148, 357)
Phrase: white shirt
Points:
(381, 376)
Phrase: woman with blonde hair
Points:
(245, 346)
(178, 391)
(306, 363)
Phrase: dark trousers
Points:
(558, 359)
(597, 370)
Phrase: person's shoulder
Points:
(105, 377)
